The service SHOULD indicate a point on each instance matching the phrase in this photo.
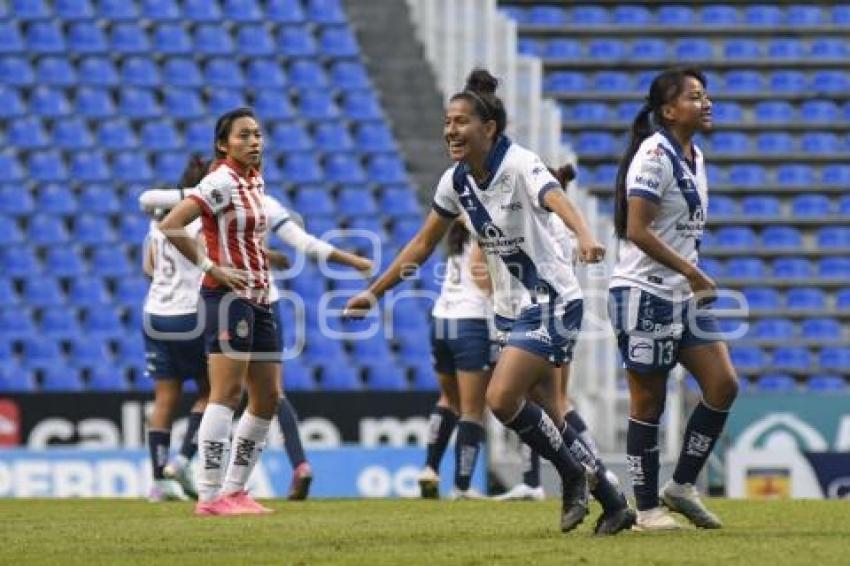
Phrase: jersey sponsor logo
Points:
(494, 242)
(641, 350)
(503, 183)
(512, 206)
(647, 182)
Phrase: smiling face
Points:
(468, 138)
(690, 110)
(244, 144)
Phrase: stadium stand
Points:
(103, 99)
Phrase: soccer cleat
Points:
(166, 490)
(522, 492)
(183, 476)
(429, 483)
(221, 505)
(685, 499)
(302, 477)
(656, 519)
(243, 504)
(614, 522)
(574, 503)
(459, 494)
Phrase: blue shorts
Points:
(246, 327)
(651, 330)
(462, 345)
(548, 330)
(174, 358)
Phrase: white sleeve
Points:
(276, 213)
(292, 234)
(163, 198)
(445, 198)
(649, 174)
(215, 190)
(538, 180)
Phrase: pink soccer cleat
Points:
(221, 505)
(244, 504)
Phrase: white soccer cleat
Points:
(166, 490)
(458, 494)
(183, 476)
(429, 483)
(657, 519)
(522, 492)
(684, 499)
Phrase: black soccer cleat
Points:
(612, 523)
(575, 498)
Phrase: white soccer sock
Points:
(248, 442)
(213, 445)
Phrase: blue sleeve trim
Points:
(643, 193)
(551, 185)
(442, 211)
(280, 223)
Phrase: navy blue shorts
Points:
(546, 330)
(462, 345)
(174, 357)
(651, 330)
(245, 328)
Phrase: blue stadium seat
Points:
(730, 142)
(138, 103)
(344, 168)
(821, 143)
(596, 143)
(561, 48)
(183, 103)
(825, 111)
(210, 41)
(16, 71)
(631, 16)
(781, 237)
(836, 359)
(45, 166)
(735, 49)
(106, 378)
(285, 11)
(720, 15)
(822, 329)
(43, 292)
(587, 112)
(371, 224)
(242, 10)
(11, 104)
(516, 13)
(172, 39)
(71, 133)
(131, 291)
(736, 237)
(160, 135)
(326, 11)
(307, 74)
(775, 111)
(564, 81)
(761, 206)
(399, 201)
(197, 134)
(795, 174)
(786, 48)
(385, 377)
(712, 267)
(26, 133)
(386, 169)
(14, 202)
(423, 376)
(606, 49)
(181, 72)
(110, 261)
(348, 75)
(844, 205)
(46, 230)
(116, 134)
(49, 102)
(221, 72)
(792, 358)
(774, 329)
(747, 357)
(255, 41)
(727, 113)
(547, 16)
(762, 298)
(355, 199)
(746, 268)
(792, 268)
(747, 175)
(830, 82)
(45, 37)
(776, 383)
(102, 322)
(139, 71)
(85, 352)
(333, 136)
(805, 298)
(94, 103)
(296, 41)
(826, 383)
(290, 136)
(806, 15)
(201, 11)
(89, 166)
(8, 296)
(834, 237)
(58, 377)
(693, 49)
(224, 100)
(264, 73)
(828, 48)
(775, 142)
(531, 47)
(97, 71)
(337, 42)
(19, 262)
(15, 379)
(160, 10)
(834, 267)
(91, 230)
(675, 15)
(41, 353)
(118, 10)
(64, 262)
(374, 138)
(55, 71)
(314, 201)
(88, 292)
(790, 82)
(764, 15)
(297, 376)
(127, 38)
(11, 233)
(836, 175)
(99, 199)
(612, 81)
(340, 378)
(302, 168)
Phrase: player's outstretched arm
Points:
(294, 235)
(590, 250)
(409, 258)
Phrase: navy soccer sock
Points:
(287, 418)
(467, 444)
(440, 427)
(704, 427)
(605, 492)
(531, 467)
(577, 423)
(158, 443)
(537, 430)
(190, 442)
(643, 462)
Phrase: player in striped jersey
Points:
(171, 308)
(285, 226)
(242, 337)
(656, 291)
(463, 355)
(506, 193)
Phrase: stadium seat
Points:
(358, 201)
(805, 298)
(547, 16)
(349, 75)
(675, 15)
(172, 39)
(16, 71)
(792, 268)
(747, 175)
(109, 261)
(727, 113)
(290, 136)
(223, 100)
(102, 322)
(210, 41)
(41, 353)
(19, 262)
(826, 384)
(781, 237)
(844, 205)
(790, 82)
(285, 11)
(760, 206)
(693, 49)
(11, 104)
(160, 135)
(554, 48)
(131, 291)
(632, 16)
(606, 49)
(830, 82)
(374, 138)
(27, 133)
(15, 379)
(775, 142)
(314, 201)
(88, 292)
(337, 42)
(307, 74)
(333, 136)
(824, 111)
(118, 10)
(49, 102)
(774, 329)
(764, 15)
(748, 357)
(116, 134)
(88, 352)
(262, 73)
(762, 298)
(94, 103)
(834, 267)
(836, 175)
(821, 143)
(160, 10)
(89, 166)
(224, 73)
(140, 71)
(774, 111)
(127, 38)
(181, 72)
(386, 169)
(44, 230)
(56, 71)
(564, 81)
(138, 103)
(399, 201)
(93, 230)
(72, 134)
(296, 41)
(776, 383)
(822, 329)
(736, 49)
(792, 358)
(795, 174)
(736, 237)
(730, 142)
(746, 268)
(64, 262)
(811, 205)
(45, 37)
(828, 48)
(834, 237)
(254, 41)
(835, 358)
(720, 15)
(131, 167)
(297, 376)
(344, 168)
(340, 378)
(43, 292)
(385, 377)
(106, 378)
(11, 40)
(14, 202)
(60, 378)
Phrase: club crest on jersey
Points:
(503, 183)
(216, 196)
(242, 328)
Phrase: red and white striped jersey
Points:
(235, 225)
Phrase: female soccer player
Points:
(243, 340)
(506, 194)
(173, 352)
(282, 224)
(655, 294)
(463, 356)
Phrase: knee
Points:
(229, 394)
(723, 392)
(647, 408)
(503, 405)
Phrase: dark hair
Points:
(664, 88)
(563, 174)
(458, 236)
(480, 91)
(224, 125)
(196, 169)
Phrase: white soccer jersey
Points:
(526, 264)
(661, 173)
(176, 281)
(460, 296)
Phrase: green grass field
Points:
(407, 532)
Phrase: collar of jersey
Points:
(493, 161)
(677, 147)
(241, 170)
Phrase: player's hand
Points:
(359, 305)
(278, 259)
(703, 286)
(365, 266)
(235, 279)
(590, 250)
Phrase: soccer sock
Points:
(530, 466)
(190, 441)
(158, 443)
(440, 428)
(536, 429)
(213, 445)
(643, 460)
(605, 492)
(467, 444)
(248, 442)
(577, 423)
(287, 418)
(704, 427)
